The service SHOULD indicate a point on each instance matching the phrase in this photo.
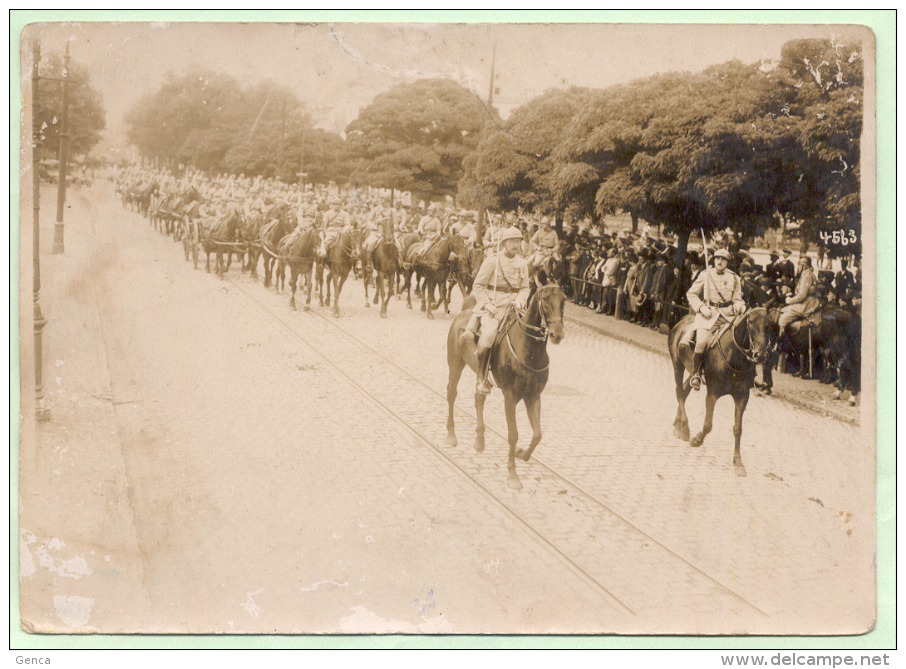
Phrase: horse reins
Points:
(543, 332)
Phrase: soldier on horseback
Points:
(805, 300)
(543, 244)
(333, 223)
(715, 298)
(502, 281)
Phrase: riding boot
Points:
(482, 385)
(696, 380)
(471, 331)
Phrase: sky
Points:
(336, 69)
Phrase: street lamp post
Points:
(58, 246)
(42, 413)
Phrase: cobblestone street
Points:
(268, 470)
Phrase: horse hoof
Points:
(367, 305)
(430, 316)
(408, 306)
(695, 442)
(522, 454)
(681, 434)
(739, 469)
(383, 314)
(306, 308)
(478, 445)
(336, 314)
(514, 482)
(452, 440)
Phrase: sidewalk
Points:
(811, 395)
(79, 564)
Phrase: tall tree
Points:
(85, 115)
(686, 151)
(519, 163)
(415, 136)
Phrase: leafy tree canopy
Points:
(86, 113)
(415, 136)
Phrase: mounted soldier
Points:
(715, 298)
(543, 244)
(333, 222)
(804, 302)
(502, 281)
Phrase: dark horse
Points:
(432, 265)
(729, 369)
(828, 325)
(297, 250)
(270, 235)
(464, 268)
(341, 257)
(222, 237)
(386, 262)
(518, 362)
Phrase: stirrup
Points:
(483, 387)
(695, 381)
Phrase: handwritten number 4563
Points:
(839, 237)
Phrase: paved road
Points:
(286, 472)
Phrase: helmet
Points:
(722, 253)
(510, 233)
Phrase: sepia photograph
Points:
(446, 328)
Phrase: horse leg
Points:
(741, 400)
(456, 365)
(365, 281)
(710, 401)
(307, 274)
(427, 295)
(533, 410)
(509, 402)
(338, 288)
(681, 423)
(293, 277)
(479, 426)
(207, 261)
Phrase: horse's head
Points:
(759, 328)
(353, 242)
(549, 301)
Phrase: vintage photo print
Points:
(447, 328)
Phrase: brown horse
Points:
(518, 362)
(341, 257)
(464, 268)
(222, 237)
(298, 251)
(270, 237)
(386, 262)
(729, 369)
(433, 265)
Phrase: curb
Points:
(777, 392)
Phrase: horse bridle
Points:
(748, 353)
(542, 330)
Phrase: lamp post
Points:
(58, 246)
(42, 413)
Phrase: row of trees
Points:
(736, 145)
(745, 146)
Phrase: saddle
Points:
(813, 320)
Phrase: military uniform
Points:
(722, 292)
(333, 222)
(501, 281)
(542, 245)
(803, 303)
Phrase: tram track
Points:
(542, 537)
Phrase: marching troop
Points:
(631, 276)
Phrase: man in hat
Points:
(804, 301)
(786, 269)
(333, 222)
(715, 297)
(502, 281)
(543, 244)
